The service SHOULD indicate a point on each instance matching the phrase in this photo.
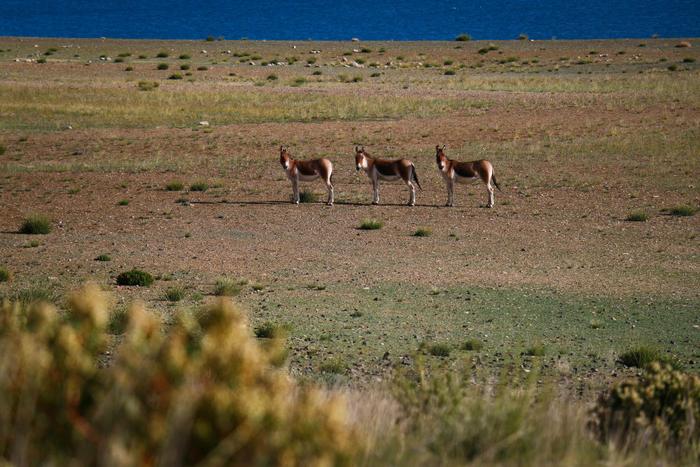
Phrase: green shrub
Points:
(463, 38)
(298, 81)
(637, 216)
(376, 74)
(643, 356)
(123, 202)
(162, 55)
(118, 60)
(371, 224)
(175, 76)
(662, 406)
(41, 60)
(688, 60)
(39, 293)
(270, 330)
(118, 321)
(672, 67)
(682, 211)
(317, 73)
(472, 345)
(334, 366)
(365, 50)
(448, 62)
(523, 37)
(163, 66)
(440, 350)
(174, 186)
(202, 68)
(536, 350)
(129, 68)
(422, 232)
(450, 72)
(135, 277)
(185, 66)
(205, 391)
(356, 79)
(103, 257)
(227, 287)
(199, 186)
(124, 55)
(2, 149)
(36, 224)
(5, 275)
(184, 57)
(307, 197)
(272, 77)
(147, 85)
(174, 294)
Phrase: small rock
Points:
(355, 39)
(204, 123)
(683, 45)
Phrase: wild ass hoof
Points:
(375, 203)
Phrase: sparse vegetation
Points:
(371, 224)
(174, 185)
(135, 277)
(643, 356)
(306, 196)
(175, 76)
(162, 55)
(535, 350)
(472, 345)
(334, 366)
(225, 287)
(103, 257)
(5, 275)
(123, 202)
(36, 224)
(174, 294)
(682, 211)
(440, 349)
(270, 330)
(637, 216)
(423, 232)
(147, 85)
(199, 186)
(463, 38)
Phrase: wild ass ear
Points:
(443, 147)
(437, 147)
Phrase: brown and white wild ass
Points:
(306, 171)
(387, 170)
(462, 172)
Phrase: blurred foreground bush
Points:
(203, 392)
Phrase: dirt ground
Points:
(555, 262)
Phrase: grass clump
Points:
(440, 350)
(270, 330)
(2, 149)
(118, 321)
(36, 224)
(298, 81)
(472, 345)
(307, 197)
(202, 68)
(184, 57)
(162, 55)
(174, 186)
(162, 66)
(103, 257)
(334, 366)
(135, 277)
(371, 224)
(450, 72)
(199, 186)
(5, 275)
(422, 232)
(536, 350)
(123, 202)
(225, 287)
(147, 85)
(272, 77)
(175, 76)
(682, 211)
(637, 216)
(463, 38)
(643, 356)
(185, 66)
(174, 294)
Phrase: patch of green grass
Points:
(174, 185)
(307, 197)
(185, 66)
(682, 211)
(147, 85)
(162, 55)
(2, 149)
(5, 275)
(225, 287)
(36, 293)
(472, 345)
(103, 257)
(184, 57)
(637, 216)
(336, 366)
(118, 321)
(32, 244)
(174, 294)
(298, 81)
(175, 76)
(199, 186)
(463, 38)
(36, 224)
(535, 350)
(162, 66)
(123, 202)
(272, 77)
(135, 277)
(317, 73)
(643, 356)
(439, 349)
(371, 224)
(270, 330)
(422, 232)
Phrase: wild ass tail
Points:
(414, 175)
(493, 178)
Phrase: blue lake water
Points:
(342, 20)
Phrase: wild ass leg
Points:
(412, 191)
(329, 187)
(375, 191)
(295, 190)
(450, 192)
(489, 188)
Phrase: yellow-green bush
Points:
(662, 406)
(205, 391)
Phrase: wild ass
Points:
(462, 172)
(306, 171)
(388, 170)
